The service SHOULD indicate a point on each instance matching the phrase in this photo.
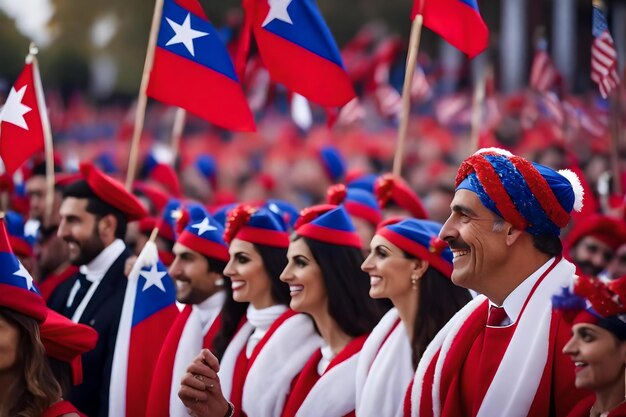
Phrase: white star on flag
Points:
(22, 272)
(184, 34)
(31, 227)
(278, 10)
(13, 111)
(154, 278)
(203, 226)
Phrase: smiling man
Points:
(201, 256)
(501, 354)
(94, 213)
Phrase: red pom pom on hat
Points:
(389, 187)
(112, 192)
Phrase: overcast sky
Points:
(30, 17)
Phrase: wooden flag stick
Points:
(177, 131)
(142, 100)
(477, 111)
(411, 62)
(47, 133)
(616, 137)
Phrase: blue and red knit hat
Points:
(21, 242)
(167, 222)
(333, 163)
(203, 234)
(207, 166)
(17, 288)
(596, 302)
(221, 214)
(530, 196)
(328, 223)
(256, 225)
(359, 203)
(389, 189)
(420, 238)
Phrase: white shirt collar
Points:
(210, 308)
(514, 303)
(98, 267)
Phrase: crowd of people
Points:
(373, 300)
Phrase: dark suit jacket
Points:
(103, 314)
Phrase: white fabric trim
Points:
(523, 363)
(525, 358)
(384, 372)
(450, 329)
(334, 393)
(284, 355)
(227, 366)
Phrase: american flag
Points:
(603, 53)
(543, 73)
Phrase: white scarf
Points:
(515, 383)
(242, 340)
(277, 364)
(384, 372)
(200, 320)
(333, 395)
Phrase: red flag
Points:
(299, 50)
(147, 314)
(21, 124)
(193, 70)
(457, 21)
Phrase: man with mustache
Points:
(592, 243)
(502, 353)
(94, 213)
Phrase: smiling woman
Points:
(598, 343)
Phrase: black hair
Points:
(231, 315)
(275, 261)
(96, 206)
(438, 300)
(548, 244)
(347, 286)
(39, 169)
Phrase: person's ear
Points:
(512, 234)
(107, 226)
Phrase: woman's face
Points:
(250, 282)
(389, 271)
(304, 277)
(9, 341)
(598, 356)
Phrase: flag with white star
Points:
(148, 312)
(299, 50)
(193, 70)
(21, 125)
(18, 290)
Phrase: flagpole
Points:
(411, 62)
(142, 100)
(47, 132)
(177, 132)
(477, 109)
(616, 137)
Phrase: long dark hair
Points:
(274, 262)
(438, 300)
(347, 286)
(38, 389)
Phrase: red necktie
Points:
(496, 316)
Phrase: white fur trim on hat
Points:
(499, 151)
(579, 192)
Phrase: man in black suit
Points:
(94, 214)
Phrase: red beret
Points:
(63, 180)
(112, 192)
(65, 340)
